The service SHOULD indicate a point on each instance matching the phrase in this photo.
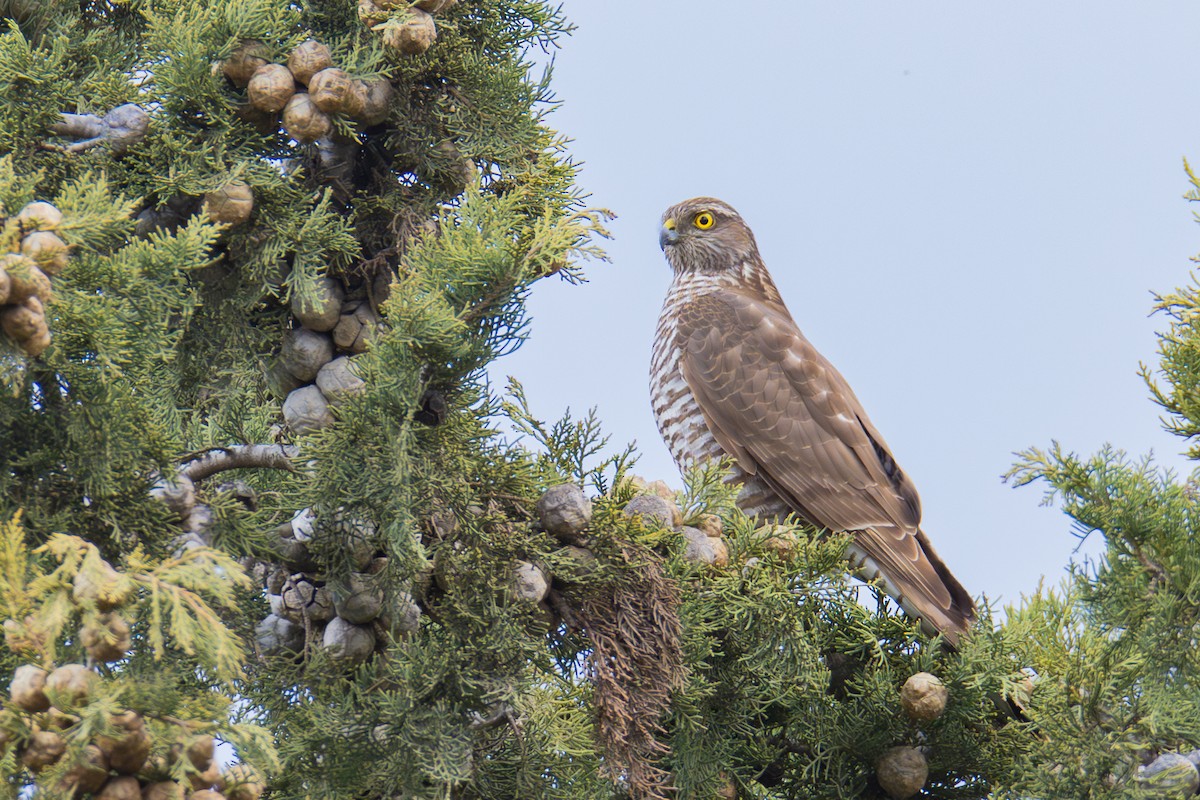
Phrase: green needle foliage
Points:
(1114, 649)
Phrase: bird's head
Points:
(705, 235)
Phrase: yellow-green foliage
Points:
(173, 607)
(173, 596)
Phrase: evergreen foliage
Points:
(351, 581)
(1116, 647)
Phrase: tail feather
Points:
(918, 580)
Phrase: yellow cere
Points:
(704, 220)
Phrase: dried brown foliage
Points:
(632, 624)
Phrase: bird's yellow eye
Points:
(704, 220)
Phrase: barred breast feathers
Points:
(677, 414)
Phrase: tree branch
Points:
(241, 456)
(1158, 575)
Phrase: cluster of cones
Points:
(25, 277)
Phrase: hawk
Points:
(732, 375)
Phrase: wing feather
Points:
(786, 414)
(765, 390)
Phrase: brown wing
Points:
(785, 413)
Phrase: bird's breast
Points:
(676, 410)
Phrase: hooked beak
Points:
(668, 235)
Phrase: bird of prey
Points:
(732, 375)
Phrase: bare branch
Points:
(241, 456)
(502, 714)
(120, 128)
(564, 611)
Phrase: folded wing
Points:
(786, 414)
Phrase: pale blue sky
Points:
(966, 207)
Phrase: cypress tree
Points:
(261, 529)
(1117, 700)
